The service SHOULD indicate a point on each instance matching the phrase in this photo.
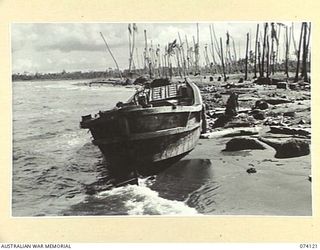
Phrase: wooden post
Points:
(246, 65)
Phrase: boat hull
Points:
(148, 156)
(145, 139)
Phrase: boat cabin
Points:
(162, 92)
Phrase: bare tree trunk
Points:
(212, 49)
(183, 56)
(255, 52)
(188, 55)
(304, 54)
(130, 56)
(264, 48)
(268, 57)
(259, 59)
(223, 69)
(298, 55)
(115, 61)
(277, 53)
(146, 61)
(246, 67)
(287, 54)
(197, 47)
(235, 56)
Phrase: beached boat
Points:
(156, 127)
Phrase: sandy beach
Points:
(253, 181)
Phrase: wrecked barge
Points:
(157, 126)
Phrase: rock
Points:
(293, 86)
(251, 170)
(261, 105)
(258, 114)
(237, 144)
(282, 85)
(140, 80)
(240, 80)
(275, 101)
(292, 148)
(222, 120)
(302, 122)
(128, 81)
(289, 131)
(263, 81)
(310, 178)
(289, 113)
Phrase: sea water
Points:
(56, 169)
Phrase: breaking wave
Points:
(141, 200)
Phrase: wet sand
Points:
(279, 187)
(217, 183)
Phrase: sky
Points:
(54, 47)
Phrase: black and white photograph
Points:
(161, 119)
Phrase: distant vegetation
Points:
(63, 75)
(110, 73)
